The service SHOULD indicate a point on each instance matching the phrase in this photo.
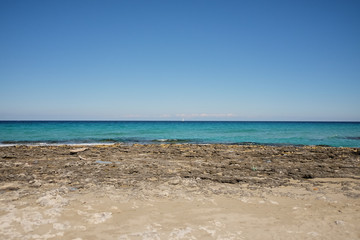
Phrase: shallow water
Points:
(339, 134)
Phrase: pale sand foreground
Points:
(171, 206)
(180, 210)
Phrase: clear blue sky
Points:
(168, 60)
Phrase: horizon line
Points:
(194, 120)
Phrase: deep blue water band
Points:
(338, 134)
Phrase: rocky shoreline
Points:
(54, 179)
(125, 165)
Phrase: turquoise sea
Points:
(339, 134)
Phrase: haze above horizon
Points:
(174, 60)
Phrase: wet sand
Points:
(179, 191)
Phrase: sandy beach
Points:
(179, 191)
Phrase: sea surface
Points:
(338, 134)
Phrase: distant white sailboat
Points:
(183, 120)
